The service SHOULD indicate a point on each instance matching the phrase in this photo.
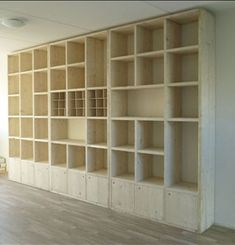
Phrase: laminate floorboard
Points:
(32, 216)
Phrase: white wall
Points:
(3, 106)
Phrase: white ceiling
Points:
(51, 20)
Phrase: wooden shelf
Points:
(97, 103)
(57, 54)
(58, 104)
(14, 148)
(100, 172)
(152, 151)
(183, 84)
(13, 64)
(26, 61)
(41, 105)
(76, 157)
(97, 132)
(128, 148)
(76, 51)
(27, 152)
(41, 128)
(126, 177)
(76, 104)
(185, 186)
(26, 128)
(40, 81)
(41, 152)
(58, 155)
(76, 77)
(40, 58)
(13, 84)
(14, 127)
(58, 79)
(153, 181)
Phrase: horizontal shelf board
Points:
(160, 119)
(41, 140)
(153, 181)
(26, 72)
(185, 186)
(96, 88)
(13, 95)
(183, 84)
(46, 117)
(53, 91)
(150, 86)
(100, 172)
(69, 141)
(13, 73)
(126, 177)
(99, 145)
(26, 116)
(97, 117)
(13, 116)
(78, 168)
(184, 50)
(61, 165)
(129, 148)
(78, 64)
(40, 93)
(28, 139)
(151, 54)
(183, 119)
(125, 58)
(41, 69)
(152, 150)
(42, 162)
(76, 90)
(27, 159)
(14, 137)
(62, 67)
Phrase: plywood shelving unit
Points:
(122, 118)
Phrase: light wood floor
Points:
(32, 216)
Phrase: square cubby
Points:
(77, 157)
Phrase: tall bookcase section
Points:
(97, 119)
(122, 118)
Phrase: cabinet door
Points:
(123, 196)
(76, 184)
(42, 176)
(27, 172)
(14, 169)
(149, 202)
(59, 179)
(182, 209)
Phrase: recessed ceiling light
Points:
(13, 22)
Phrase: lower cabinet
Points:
(41, 172)
(27, 172)
(77, 184)
(123, 195)
(182, 209)
(149, 202)
(14, 169)
(97, 190)
(59, 179)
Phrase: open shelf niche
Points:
(41, 105)
(183, 149)
(77, 157)
(40, 58)
(123, 165)
(150, 169)
(58, 155)
(76, 51)
(14, 148)
(150, 137)
(76, 103)
(41, 152)
(97, 103)
(13, 84)
(138, 103)
(71, 131)
(26, 127)
(13, 63)
(76, 77)
(40, 82)
(58, 79)
(57, 54)
(41, 128)
(26, 61)
(97, 60)
(27, 150)
(14, 106)
(26, 94)
(123, 135)
(97, 161)
(58, 104)
(150, 36)
(14, 127)
(97, 132)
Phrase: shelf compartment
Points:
(76, 157)
(123, 135)
(40, 58)
(27, 150)
(122, 73)
(41, 128)
(97, 103)
(41, 152)
(183, 102)
(14, 127)
(57, 54)
(58, 104)
(97, 60)
(13, 84)
(26, 128)
(76, 51)
(40, 82)
(13, 106)
(182, 31)
(66, 130)
(147, 102)
(14, 148)
(58, 155)
(58, 79)
(123, 165)
(150, 70)
(97, 161)
(40, 105)
(26, 61)
(182, 67)
(26, 94)
(150, 36)
(122, 41)
(150, 137)
(97, 132)
(76, 103)
(150, 169)
(13, 63)
(76, 77)
(183, 149)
